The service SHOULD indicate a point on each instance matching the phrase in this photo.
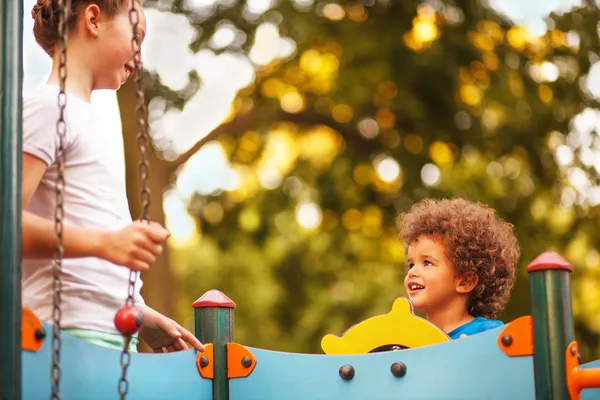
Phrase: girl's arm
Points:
(38, 232)
(135, 246)
(39, 238)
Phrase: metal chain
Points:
(144, 169)
(61, 129)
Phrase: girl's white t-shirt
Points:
(94, 197)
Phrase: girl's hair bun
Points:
(45, 24)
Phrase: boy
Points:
(461, 262)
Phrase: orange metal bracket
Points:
(205, 362)
(516, 339)
(32, 331)
(579, 378)
(240, 362)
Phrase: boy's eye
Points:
(409, 266)
(427, 263)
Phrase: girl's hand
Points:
(160, 332)
(136, 246)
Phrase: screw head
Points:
(573, 350)
(40, 334)
(246, 362)
(347, 372)
(204, 362)
(507, 340)
(398, 369)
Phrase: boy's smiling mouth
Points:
(414, 287)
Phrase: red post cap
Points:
(214, 298)
(549, 260)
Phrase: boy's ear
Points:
(465, 284)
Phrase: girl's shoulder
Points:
(45, 98)
(40, 115)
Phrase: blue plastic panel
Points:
(473, 368)
(591, 394)
(90, 372)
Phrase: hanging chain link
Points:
(61, 129)
(144, 169)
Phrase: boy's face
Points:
(430, 281)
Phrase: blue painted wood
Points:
(473, 368)
(92, 372)
(591, 394)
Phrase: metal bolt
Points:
(40, 334)
(398, 369)
(204, 362)
(573, 350)
(347, 372)
(246, 362)
(507, 340)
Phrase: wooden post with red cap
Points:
(551, 309)
(213, 314)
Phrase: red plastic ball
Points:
(128, 320)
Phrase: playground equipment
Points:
(532, 357)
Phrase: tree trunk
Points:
(158, 290)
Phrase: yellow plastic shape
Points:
(399, 327)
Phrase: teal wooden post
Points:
(551, 309)
(11, 39)
(213, 314)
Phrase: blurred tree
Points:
(380, 104)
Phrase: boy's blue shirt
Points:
(479, 324)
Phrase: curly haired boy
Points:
(461, 262)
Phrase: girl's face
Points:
(114, 55)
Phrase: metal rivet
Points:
(40, 334)
(398, 369)
(246, 362)
(573, 350)
(347, 372)
(507, 340)
(204, 362)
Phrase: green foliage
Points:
(450, 88)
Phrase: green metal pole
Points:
(213, 314)
(551, 309)
(11, 39)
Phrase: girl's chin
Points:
(110, 86)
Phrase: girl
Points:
(101, 243)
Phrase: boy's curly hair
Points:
(476, 242)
